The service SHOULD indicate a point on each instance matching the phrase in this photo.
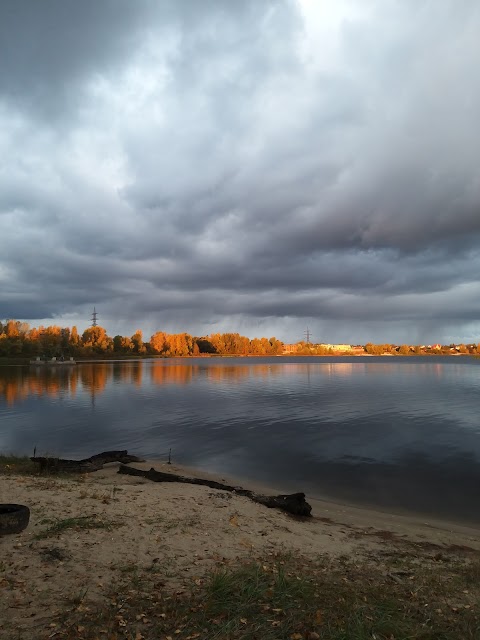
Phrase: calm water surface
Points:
(396, 433)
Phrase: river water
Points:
(401, 434)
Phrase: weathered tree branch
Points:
(294, 503)
(94, 463)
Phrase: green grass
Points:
(78, 524)
(289, 598)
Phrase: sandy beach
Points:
(87, 533)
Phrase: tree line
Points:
(419, 350)
(18, 339)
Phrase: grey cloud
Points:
(48, 49)
(188, 162)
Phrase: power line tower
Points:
(94, 317)
(308, 335)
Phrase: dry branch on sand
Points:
(293, 503)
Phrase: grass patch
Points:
(290, 598)
(183, 524)
(470, 573)
(77, 524)
(106, 497)
(23, 466)
(17, 465)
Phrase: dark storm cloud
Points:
(49, 49)
(247, 166)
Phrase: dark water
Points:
(396, 433)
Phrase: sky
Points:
(259, 167)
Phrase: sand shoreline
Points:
(322, 506)
(352, 511)
(86, 533)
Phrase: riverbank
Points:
(138, 556)
(114, 357)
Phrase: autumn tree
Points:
(74, 337)
(181, 344)
(11, 329)
(276, 346)
(218, 343)
(123, 344)
(159, 343)
(235, 344)
(137, 341)
(51, 341)
(96, 339)
(374, 349)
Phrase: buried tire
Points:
(13, 518)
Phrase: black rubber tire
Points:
(13, 518)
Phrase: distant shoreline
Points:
(137, 357)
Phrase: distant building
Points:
(301, 347)
(337, 347)
(290, 348)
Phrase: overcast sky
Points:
(257, 166)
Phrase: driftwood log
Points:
(294, 503)
(94, 463)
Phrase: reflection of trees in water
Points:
(175, 373)
(94, 376)
(18, 384)
(13, 390)
(121, 371)
(73, 383)
(162, 373)
(128, 372)
(232, 373)
(136, 373)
